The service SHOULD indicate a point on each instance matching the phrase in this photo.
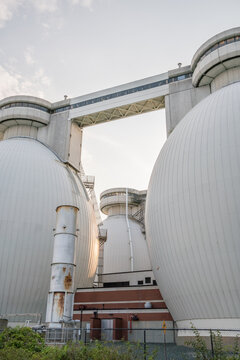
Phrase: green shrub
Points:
(219, 352)
(236, 350)
(199, 346)
(15, 354)
(24, 338)
(25, 344)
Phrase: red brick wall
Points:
(131, 295)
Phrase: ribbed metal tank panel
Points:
(193, 211)
(117, 248)
(33, 182)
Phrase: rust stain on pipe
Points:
(59, 303)
(68, 281)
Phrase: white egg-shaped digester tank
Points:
(193, 214)
(125, 238)
(33, 182)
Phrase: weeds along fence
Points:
(169, 344)
(150, 343)
(143, 335)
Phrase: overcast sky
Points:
(49, 48)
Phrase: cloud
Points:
(13, 83)
(46, 25)
(45, 5)
(28, 55)
(41, 78)
(84, 3)
(9, 83)
(7, 8)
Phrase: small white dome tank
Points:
(33, 182)
(193, 214)
(117, 249)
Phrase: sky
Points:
(52, 48)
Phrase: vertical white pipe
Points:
(60, 297)
(100, 264)
(129, 232)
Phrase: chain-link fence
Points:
(165, 344)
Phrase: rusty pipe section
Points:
(61, 293)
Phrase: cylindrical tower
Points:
(125, 249)
(217, 62)
(62, 286)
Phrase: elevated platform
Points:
(215, 64)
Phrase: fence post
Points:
(211, 339)
(165, 344)
(144, 345)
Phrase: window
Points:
(140, 282)
(181, 77)
(147, 280)
(230, 40)
(25, 104)
(214, 47)
(222, 43)
(116, 284)
(154, 282)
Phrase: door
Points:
(107, 329)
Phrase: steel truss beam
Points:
(121, 112)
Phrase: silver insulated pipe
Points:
(60, 297)
(129, 233)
